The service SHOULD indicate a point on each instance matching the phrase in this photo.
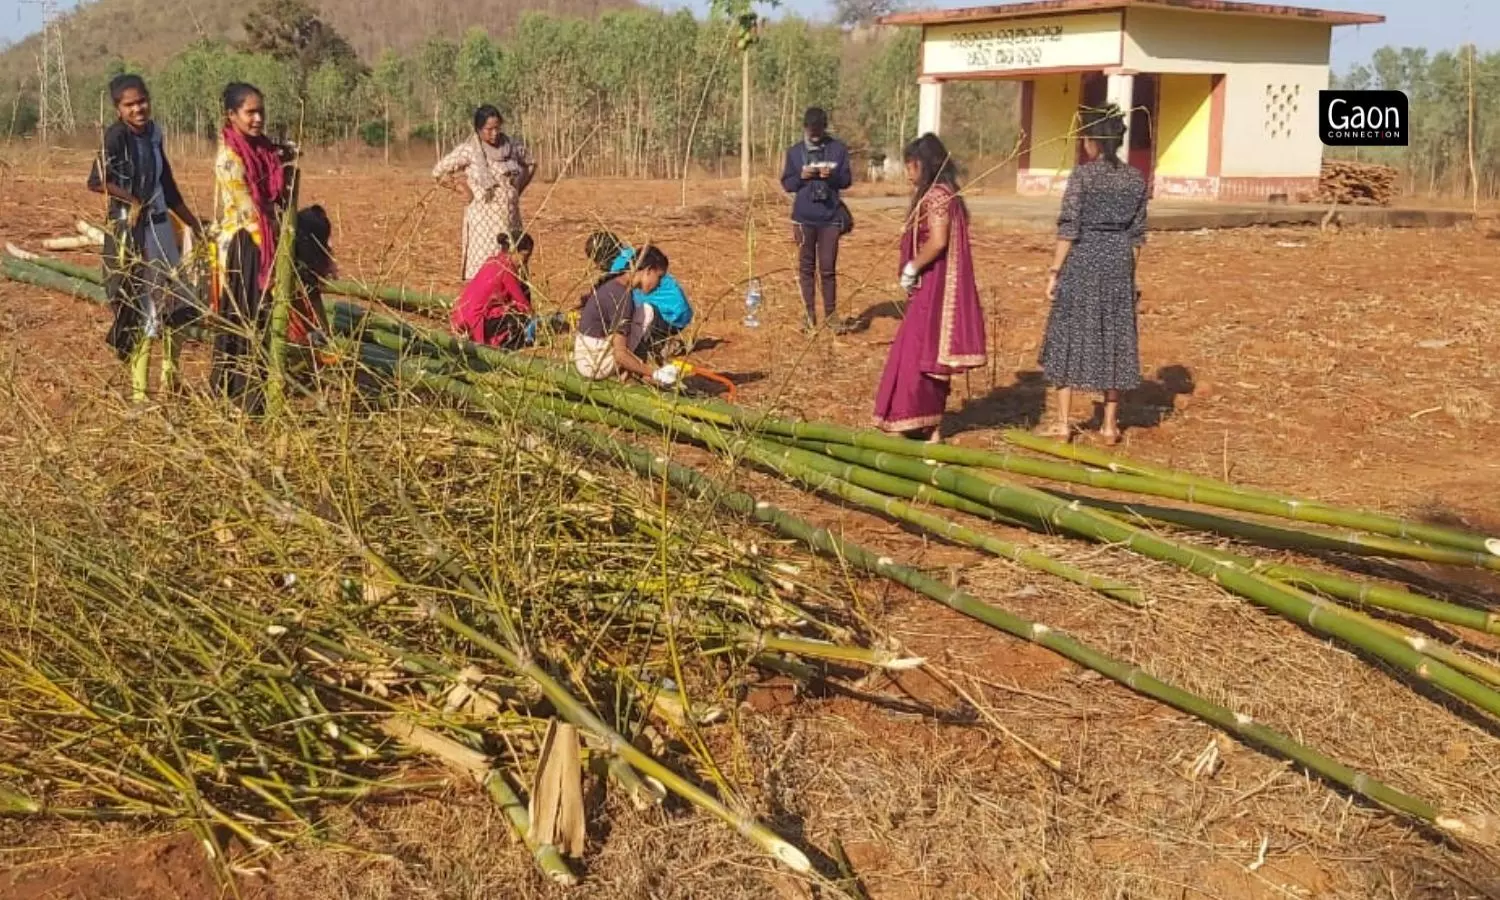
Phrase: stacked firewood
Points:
(1353, 183)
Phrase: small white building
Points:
(1223, 94)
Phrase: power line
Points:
(55, 112)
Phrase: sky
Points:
(1435, 24)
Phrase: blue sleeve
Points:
(843, 175)
(791, 173)
(672, 292)
(622, 261)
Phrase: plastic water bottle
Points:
(752, 304)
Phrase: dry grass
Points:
(1309, 375)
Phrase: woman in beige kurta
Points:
(496, 169)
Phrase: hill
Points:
(103, 32)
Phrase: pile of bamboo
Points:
(959, 494)
(1350, 183)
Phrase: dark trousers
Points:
(818, 254)
(238, 370)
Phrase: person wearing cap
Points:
(816, 170)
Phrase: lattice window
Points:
(1282, 103)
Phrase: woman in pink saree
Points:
(942, 333)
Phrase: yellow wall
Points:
(1182, 128)
(1054, 104)
(1273, 70)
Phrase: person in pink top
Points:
(495, 305)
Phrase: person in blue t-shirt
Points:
(673, 311)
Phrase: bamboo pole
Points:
(1115, 463)
(1279, 598)
(284, 286)
(1334, 585)
(1390, 535)
(821, 540)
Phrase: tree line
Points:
(646, 93)
(636, 93)
(1440, 88)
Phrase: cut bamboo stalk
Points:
(1112, 462)
(283, 286)
(397, 297)
(1343, 588)
(1455, 548)
(476, 766)
(71, 242)
(821, 540)
(1279, 598)
(92, 232)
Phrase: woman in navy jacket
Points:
(816, 170)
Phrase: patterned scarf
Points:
(482, 155)
(266, 180)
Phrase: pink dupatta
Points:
(942, 332)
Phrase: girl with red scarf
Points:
(250, 184)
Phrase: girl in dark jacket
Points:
(141, 255)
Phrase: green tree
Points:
(292, 32)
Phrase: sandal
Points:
(1109, 438)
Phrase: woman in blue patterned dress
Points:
(1091, 341)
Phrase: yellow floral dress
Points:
(236, 208)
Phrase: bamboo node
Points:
(1038, 630)
(1492, 545)
(885, 561)
(1243, 720)
(276, 631)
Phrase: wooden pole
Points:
(386, 132)
(1473, 169)
(745, 120)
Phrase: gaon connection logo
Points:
(1363, 118)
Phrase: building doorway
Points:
(1141, 136)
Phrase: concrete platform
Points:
(1040, 214)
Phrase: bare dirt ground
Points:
(1356, 367)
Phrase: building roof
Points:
(1046, 7)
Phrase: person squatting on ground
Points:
(251, 187)
(496, 169)
(816, 170)
(495, 306)
(613, 329)
(141, 255)
(1092, 341)
(673, 312)
(942, 333)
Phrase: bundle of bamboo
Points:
(905, 480)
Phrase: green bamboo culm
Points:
(395, 297)
(548, 859)
(864, 487)
(821, 540)
(1352, 590)
(1388, 536)
(1442, 545)
(283, 289)
(1275, 596)
(1113, 462)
